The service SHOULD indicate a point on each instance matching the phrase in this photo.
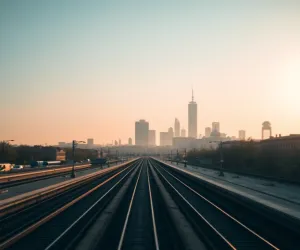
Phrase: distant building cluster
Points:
(177, 137)
(88, 145)
(90, 142)
(177, 127)
(145, 140)
(166, 137)
(242, 135)
(183, 132)
(152, 138)
(141, 133)
(278, 142)
(207, 131)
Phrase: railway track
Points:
(142, 221)
(20, 229)
(11, 180)
(144, 205)
(226, 231)
(136, 223)
(225, 223)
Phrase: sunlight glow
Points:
(290, 87)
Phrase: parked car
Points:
(98, 161)
(44, 163)
(18, 167)
(5, 167)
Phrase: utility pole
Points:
(221, 159)
(107, 157)
(185, 158)
(74, 144)
(73, 157)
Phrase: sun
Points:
(290, 87)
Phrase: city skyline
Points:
(75, 71)
(151, 138)
(215, 126)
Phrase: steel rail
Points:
(221, 210)
(128, 212)
(152, 210)
(197, 212)
(215, 206)
(31, 228)
(89, 209)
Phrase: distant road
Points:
(22, 177)
(28, 187)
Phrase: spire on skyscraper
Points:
(192, 117)
(192, 94)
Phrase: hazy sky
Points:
(79, 69)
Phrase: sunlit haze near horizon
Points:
(90, 69)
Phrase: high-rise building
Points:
(171, 133)
(183, 142)
(223, 135)
(62, 144)
(242, 135)
(207, 131)
(116, 143)
(152, 138)
(90, 142)
(141, 133)
(177, 127)
(192, 109)
(129, 141)
(183, 132)
(165, 139)
(215, 127)
(120, 142)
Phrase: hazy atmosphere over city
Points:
(80, 69)
(150, 124)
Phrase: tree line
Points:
(250, 158)
(25, 154)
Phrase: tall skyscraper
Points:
(177, 127)
(192, 118)
(242, 135)
(170, 136)
(129, 141)
(141, 133)
(183, 132)
(215, 127)
(152, 138)
(207, 131)
(120, 142)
